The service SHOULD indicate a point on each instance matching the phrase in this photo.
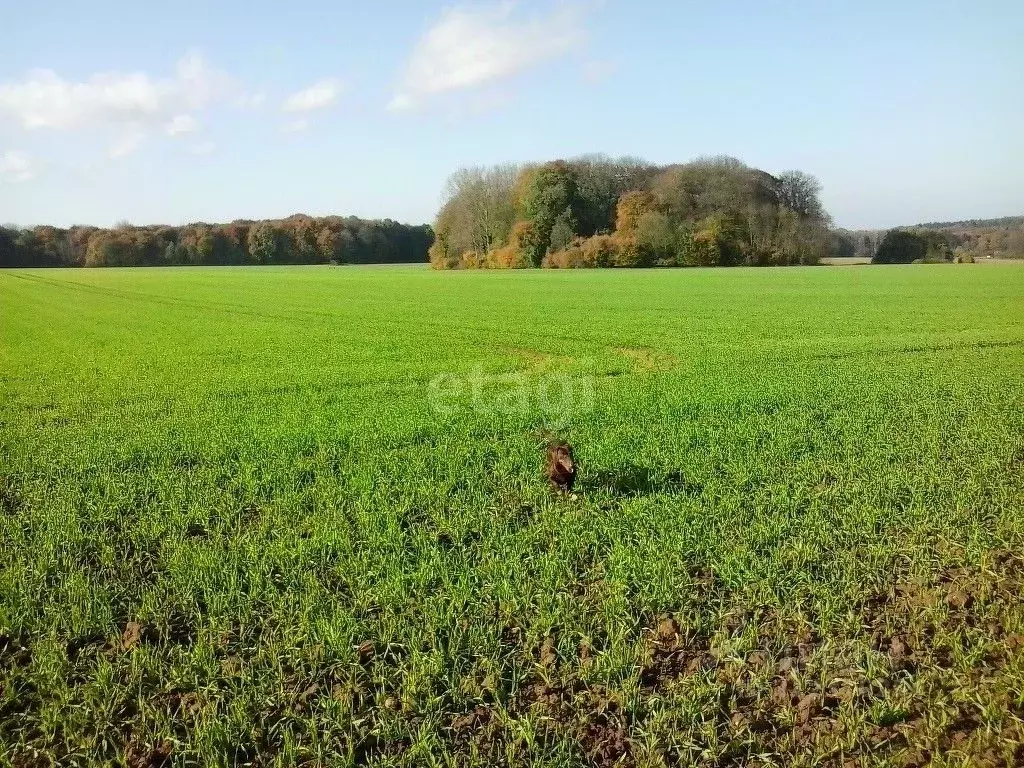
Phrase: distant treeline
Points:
(1000, 223)
(298, 239)
(596, 211)
(944, 241)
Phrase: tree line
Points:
(940, 241)
(298, 239)
(901, 246)
(1004, 240)
(595, 211)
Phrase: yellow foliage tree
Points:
(631, 208)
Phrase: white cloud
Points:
(296, 126)
(197, 84)
(474, 45)
(125, 145)
(251, 100)
(182, 124)
(45, 100)
(316, 96)
(203, 148)
(16, 166)
(402, 102)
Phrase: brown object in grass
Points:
(132, 635)
(561, 466)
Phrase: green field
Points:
(296, 515)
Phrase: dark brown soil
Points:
(137, 756)
(798, 695)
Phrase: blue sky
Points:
(906, 110)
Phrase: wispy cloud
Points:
(43, 99)
(182, 124)
(471, 46)
(317, 96)
(126, 145)
(296, 126)
(253, 100)
(16, 167)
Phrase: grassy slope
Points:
(241, 468)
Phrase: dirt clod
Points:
(605, 744)
(668, 629)
(548, 652)
(366, 652)
(897, 649)
(132, 635)
(140, 757)
(782, 692)
(959, 599)
(471, 720)
(807, 707)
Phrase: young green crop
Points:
(317, 496)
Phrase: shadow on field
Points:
(631, 479)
